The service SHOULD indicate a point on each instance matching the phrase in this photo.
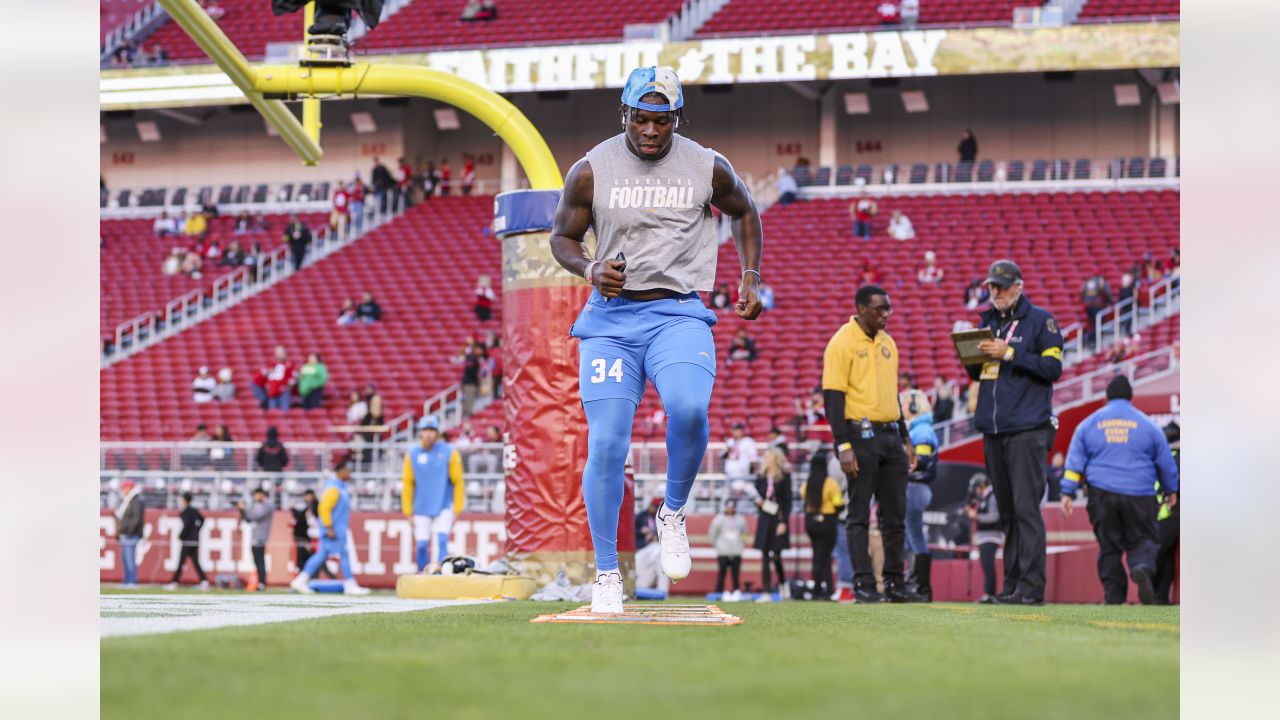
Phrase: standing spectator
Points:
(357, 203)
(778, 440)
(219, 450)
(1095, 296)
(470, 378)
(968, 147)
(430, 180)
(788, 189)
(369, 310)
(251, 259)
(375, 420)
(484, 298)
(773, 501)
(976, 294)
(405, 182)
(272, 455)
(910, 10)
(225, 390)
(298, 237)
(1015, 416)
(196, 453)
(728, 535)
(130, 519)
(192, 521)
(740, 454)
(357, 408)
(1126, 458)
(432, 492)
(468, 175)
(862, 210)
(203, 386)
(859, 371)
(981, 508)
(930, 274)
(919, 418)
(312, 378)
(258, 515)
(900, 227)
(334, 514)
(304, 527)
(944, 403)
(347, 313)
(822, 500)
(1128, 302)
(486, 372)
(446, 177)
(382, 183)
(743, 347)
(719, 300)
(495, 368)
(244, 223)
(340, 215)
(888, 13)
(233, 256)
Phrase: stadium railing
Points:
(1122, 319)
(196, 306)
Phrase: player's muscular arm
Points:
(730, 195)
(568, 231)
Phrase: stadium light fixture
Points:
(1127, 95)
(363, 123)
(148, 131)
(857, 104)
(914, 101)
(447, 119)
(1170, 92)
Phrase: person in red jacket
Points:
(468, 176)
(405, 181)
(341, 208)
(446, 175)
(273, 385)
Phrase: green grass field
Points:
(789, 660)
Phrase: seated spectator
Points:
(196, 455)
(787, 187)
(159, 56)
(172, 264)
(164, 225)
(225, 390)
(484, 298)
(347, 313)
(464, 438)
(273, 386)
(944, 399)
(196, 225)
(868, 275)
(888, 12)
(862, 210)
(312, 378)
(211, 250)
(719, 299)
(742, 348)
(233, 256)
(910, 11)
(369, 311)
(251, 259)
(900, 227)
(976, 294)
(215, 11)
(479, 10)
(244, 223)
(930, 274)
(203, 386)
(357, 407)
(191, 264)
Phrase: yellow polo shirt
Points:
(865, 370)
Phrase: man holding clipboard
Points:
(1016, 354)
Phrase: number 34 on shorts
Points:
(599, 374)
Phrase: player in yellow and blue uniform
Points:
(432, 493)
(334, 514)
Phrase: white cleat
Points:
(169, 586)
(606, 594)
(675, 544)
(351, 587)
(204, 586)
(299, 584)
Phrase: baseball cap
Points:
(429, 422)
(1004, 273)
(653, 79)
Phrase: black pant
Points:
(260, 562)
(822, 531)
(313, 399)
(987, 557)
(1167, 558)
(189, 550)
(298, 256)
(774, 557)
(1124, 525)
(882, 472)
(733, 565)
(1015, 464)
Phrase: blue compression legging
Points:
(685, 389)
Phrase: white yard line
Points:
(122, 615)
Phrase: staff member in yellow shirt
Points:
(860, 390)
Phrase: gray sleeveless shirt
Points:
(658, 214)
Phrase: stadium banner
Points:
(723, 61)
(381, 548)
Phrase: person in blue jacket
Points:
(334, 514)
(432, 493)
(1015, 416)
(919, 416)
(1122, 455)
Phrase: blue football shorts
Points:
(626, 341)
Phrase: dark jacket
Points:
(767, 537)
(134, 518)
(1021, 397)
(299, 237)
(381, 178)
(192, 519)
(968, 149)
(370, 10)
(371, 310)
(272, 457)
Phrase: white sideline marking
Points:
(122, 615)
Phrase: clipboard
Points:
(967, 343)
